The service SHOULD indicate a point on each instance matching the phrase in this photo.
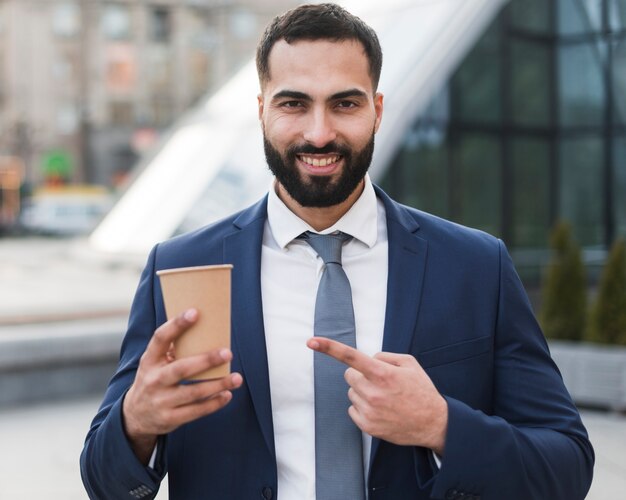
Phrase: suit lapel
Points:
(407, 262)
(243, 250)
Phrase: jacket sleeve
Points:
(109, 467)
(533, 445)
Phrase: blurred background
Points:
(125, 122)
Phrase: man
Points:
(451, 391)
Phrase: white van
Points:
(65, 211)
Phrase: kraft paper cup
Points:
(207, 289)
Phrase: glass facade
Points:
(530, 129)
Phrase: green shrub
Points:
(608, 314)
(564, 308)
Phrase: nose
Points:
(319, 129)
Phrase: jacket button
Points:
(267, 493)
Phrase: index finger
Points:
(347, 355)
(169, 331)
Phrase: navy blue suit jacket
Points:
(454, 301)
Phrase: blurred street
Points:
(46, 440)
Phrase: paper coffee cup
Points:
(207, 289)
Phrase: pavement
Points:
(45, 442)
(45, 282)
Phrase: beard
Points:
(319, 190)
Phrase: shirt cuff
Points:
(152, 461)
(437, 459)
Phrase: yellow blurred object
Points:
(11, 176)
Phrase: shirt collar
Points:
(360, 222)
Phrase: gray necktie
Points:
(338, 444)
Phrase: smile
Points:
(319, 161)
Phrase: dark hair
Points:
(318, 22)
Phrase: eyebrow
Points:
(294, 94)
(291, 94)
(347, 93)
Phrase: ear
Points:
(378, 108)
(259, 99)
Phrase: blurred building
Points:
(87, 85)
(502, 115)
(529, 129)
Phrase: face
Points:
(319, 114)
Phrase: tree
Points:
(608, 315)
(564, 310)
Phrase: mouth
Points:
(320, 163)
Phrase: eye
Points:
(346, 104)
(291, 104)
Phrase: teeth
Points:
(316, 162)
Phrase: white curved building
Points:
(212, 162)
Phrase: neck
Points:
(319, 218)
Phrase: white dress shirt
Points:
(290, 273)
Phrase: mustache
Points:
(331, 147)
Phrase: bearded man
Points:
(377, 351)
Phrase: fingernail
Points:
(190, 314)
(313, 344)
(224, 353)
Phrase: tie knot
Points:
(327, 246)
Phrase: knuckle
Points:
(160, 335)
(200, 392)
(214, 358)
(351, 394)
(150, 379)
(380, 372)
(348, 357)
(228, 383)
(366, 424)
(178, 370)
(376, 399)
(143, 358)
(167, 418)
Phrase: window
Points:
(581, 85)
(617, 14)
(121, 113)
(121, 68)
(160, 69)
(619, 82)
(477, 82)
(576, 17)
(477, 179)
(65, 68)
(421, 166)
(544, 111)
(160, 24)
(162, 110)
(66, 19)
(581, 187)
(619, 184)
(67, 119)
(531, 15)
(530, 83)
(530, 188)
(116, 22)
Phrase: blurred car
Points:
(65, 211)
